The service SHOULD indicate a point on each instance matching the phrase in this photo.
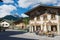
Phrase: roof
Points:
(5, 20)
(17, 22)
(41, 8)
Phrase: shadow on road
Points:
(5, 35)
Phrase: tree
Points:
(26, 20)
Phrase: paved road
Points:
(32, 36)
(6, 35)
(19, 35)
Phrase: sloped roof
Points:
(5, 20)
(17, 22)
(41, 8)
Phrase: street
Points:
(6, 35)
(20, 35)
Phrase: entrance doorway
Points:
(33, 28)
(38, 28)
(53, 27)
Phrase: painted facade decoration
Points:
(45, 18)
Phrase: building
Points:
(46, 18)
(5, 23)
(19, 24)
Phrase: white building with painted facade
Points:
(46, 18)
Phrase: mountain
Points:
(11, 17)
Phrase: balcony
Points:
(31, 22)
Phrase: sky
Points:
(19, 7)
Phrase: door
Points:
(53, 27)
(38, 28)
(33, 28)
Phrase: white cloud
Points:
(3, 14)
(27, 3)
(16, 15)
(48, 1)
(8, 1)
(23, 3)
(6, 9)
(23, 15)
(35, 5)
(58, 4)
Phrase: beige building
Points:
(20, 24)
(46, 18)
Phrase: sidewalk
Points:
(11, 30)
(18, 34)
(34, 36)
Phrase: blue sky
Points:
(19, 7)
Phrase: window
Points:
(6, 24)
(53, 16)
(53, 27)
(38, 17)
(2, 24)
(22, 27)
(45, 17)
(31, 18)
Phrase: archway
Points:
(53, 27)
